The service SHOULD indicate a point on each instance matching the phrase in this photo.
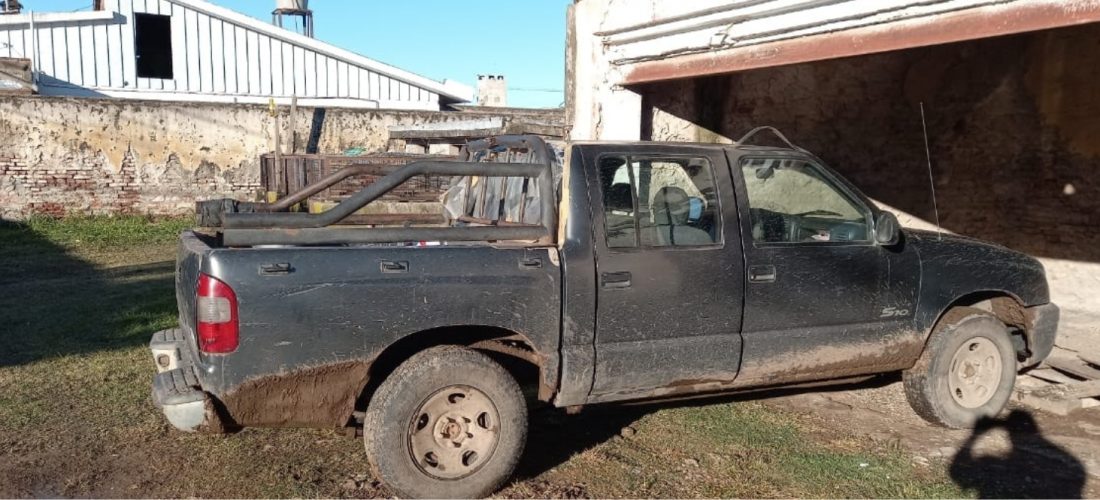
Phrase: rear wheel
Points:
(966, 372)
(448, 422)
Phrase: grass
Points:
(83, 295)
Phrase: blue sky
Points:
(521, 39)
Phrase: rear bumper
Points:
(1043, 329)
(177, 389)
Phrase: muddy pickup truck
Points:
(611, 272)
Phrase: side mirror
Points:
(887, 229)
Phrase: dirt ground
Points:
(1025, 453)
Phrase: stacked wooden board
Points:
(1067, 381)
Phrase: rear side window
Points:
(659, 202)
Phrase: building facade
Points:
(192, 50)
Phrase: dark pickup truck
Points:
(622, 271)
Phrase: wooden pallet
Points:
(1065, 382)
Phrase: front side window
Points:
(659, 202)
(793, 201)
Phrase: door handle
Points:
(394, 266)
(761, 274)
(278, 269)
(615, 280)
(530, 263)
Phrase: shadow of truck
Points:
(54, 304)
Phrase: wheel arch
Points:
(1006, 306)
(513, 349)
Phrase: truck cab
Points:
(628, 271)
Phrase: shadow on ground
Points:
(555, 436)
(1033, 467)
(54, 304)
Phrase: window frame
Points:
(638, 246)
(827, 176)
(170, 52)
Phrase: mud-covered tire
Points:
(395, 422)
(962, 332)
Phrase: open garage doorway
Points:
(1013, 127)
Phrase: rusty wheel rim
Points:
(975, 372)
(454, 432)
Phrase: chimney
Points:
(492, 90)
(10, 7)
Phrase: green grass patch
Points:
(90, 231)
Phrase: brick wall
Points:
(102, 156)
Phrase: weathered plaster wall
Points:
(1013, 123)
(60, 155)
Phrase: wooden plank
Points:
(1051, 375)
(288, 68)
(299, 71)
(45, 51)
(127, 60)
(342, 79)
(179, 47)
(115, 78)
(86, 37)
(103, 60)
(206, 66)
(194, 78)
(60, 54)
(255, 84)
(217, 56)
(240, 58)
(332, 78)
(310, 74)
(229, 58)
(266, 80)
(1090, 358)
(1073, 366)
(322, 75)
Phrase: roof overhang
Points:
(1010, 17)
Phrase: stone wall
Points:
(102, 156)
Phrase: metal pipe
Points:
(381, 187)
(351, 236)
(328, 181)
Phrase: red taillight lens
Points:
(217, 311)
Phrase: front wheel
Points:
(966, 372)
(448, 422)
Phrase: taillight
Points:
(217, 311)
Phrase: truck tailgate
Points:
(189, 258)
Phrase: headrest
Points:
(671, 206)
(618, 197)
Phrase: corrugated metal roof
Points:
(756, 33)
(746, 23)
(326, 48)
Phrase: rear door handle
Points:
(615, 280)
(762, 274)
(394, 266)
